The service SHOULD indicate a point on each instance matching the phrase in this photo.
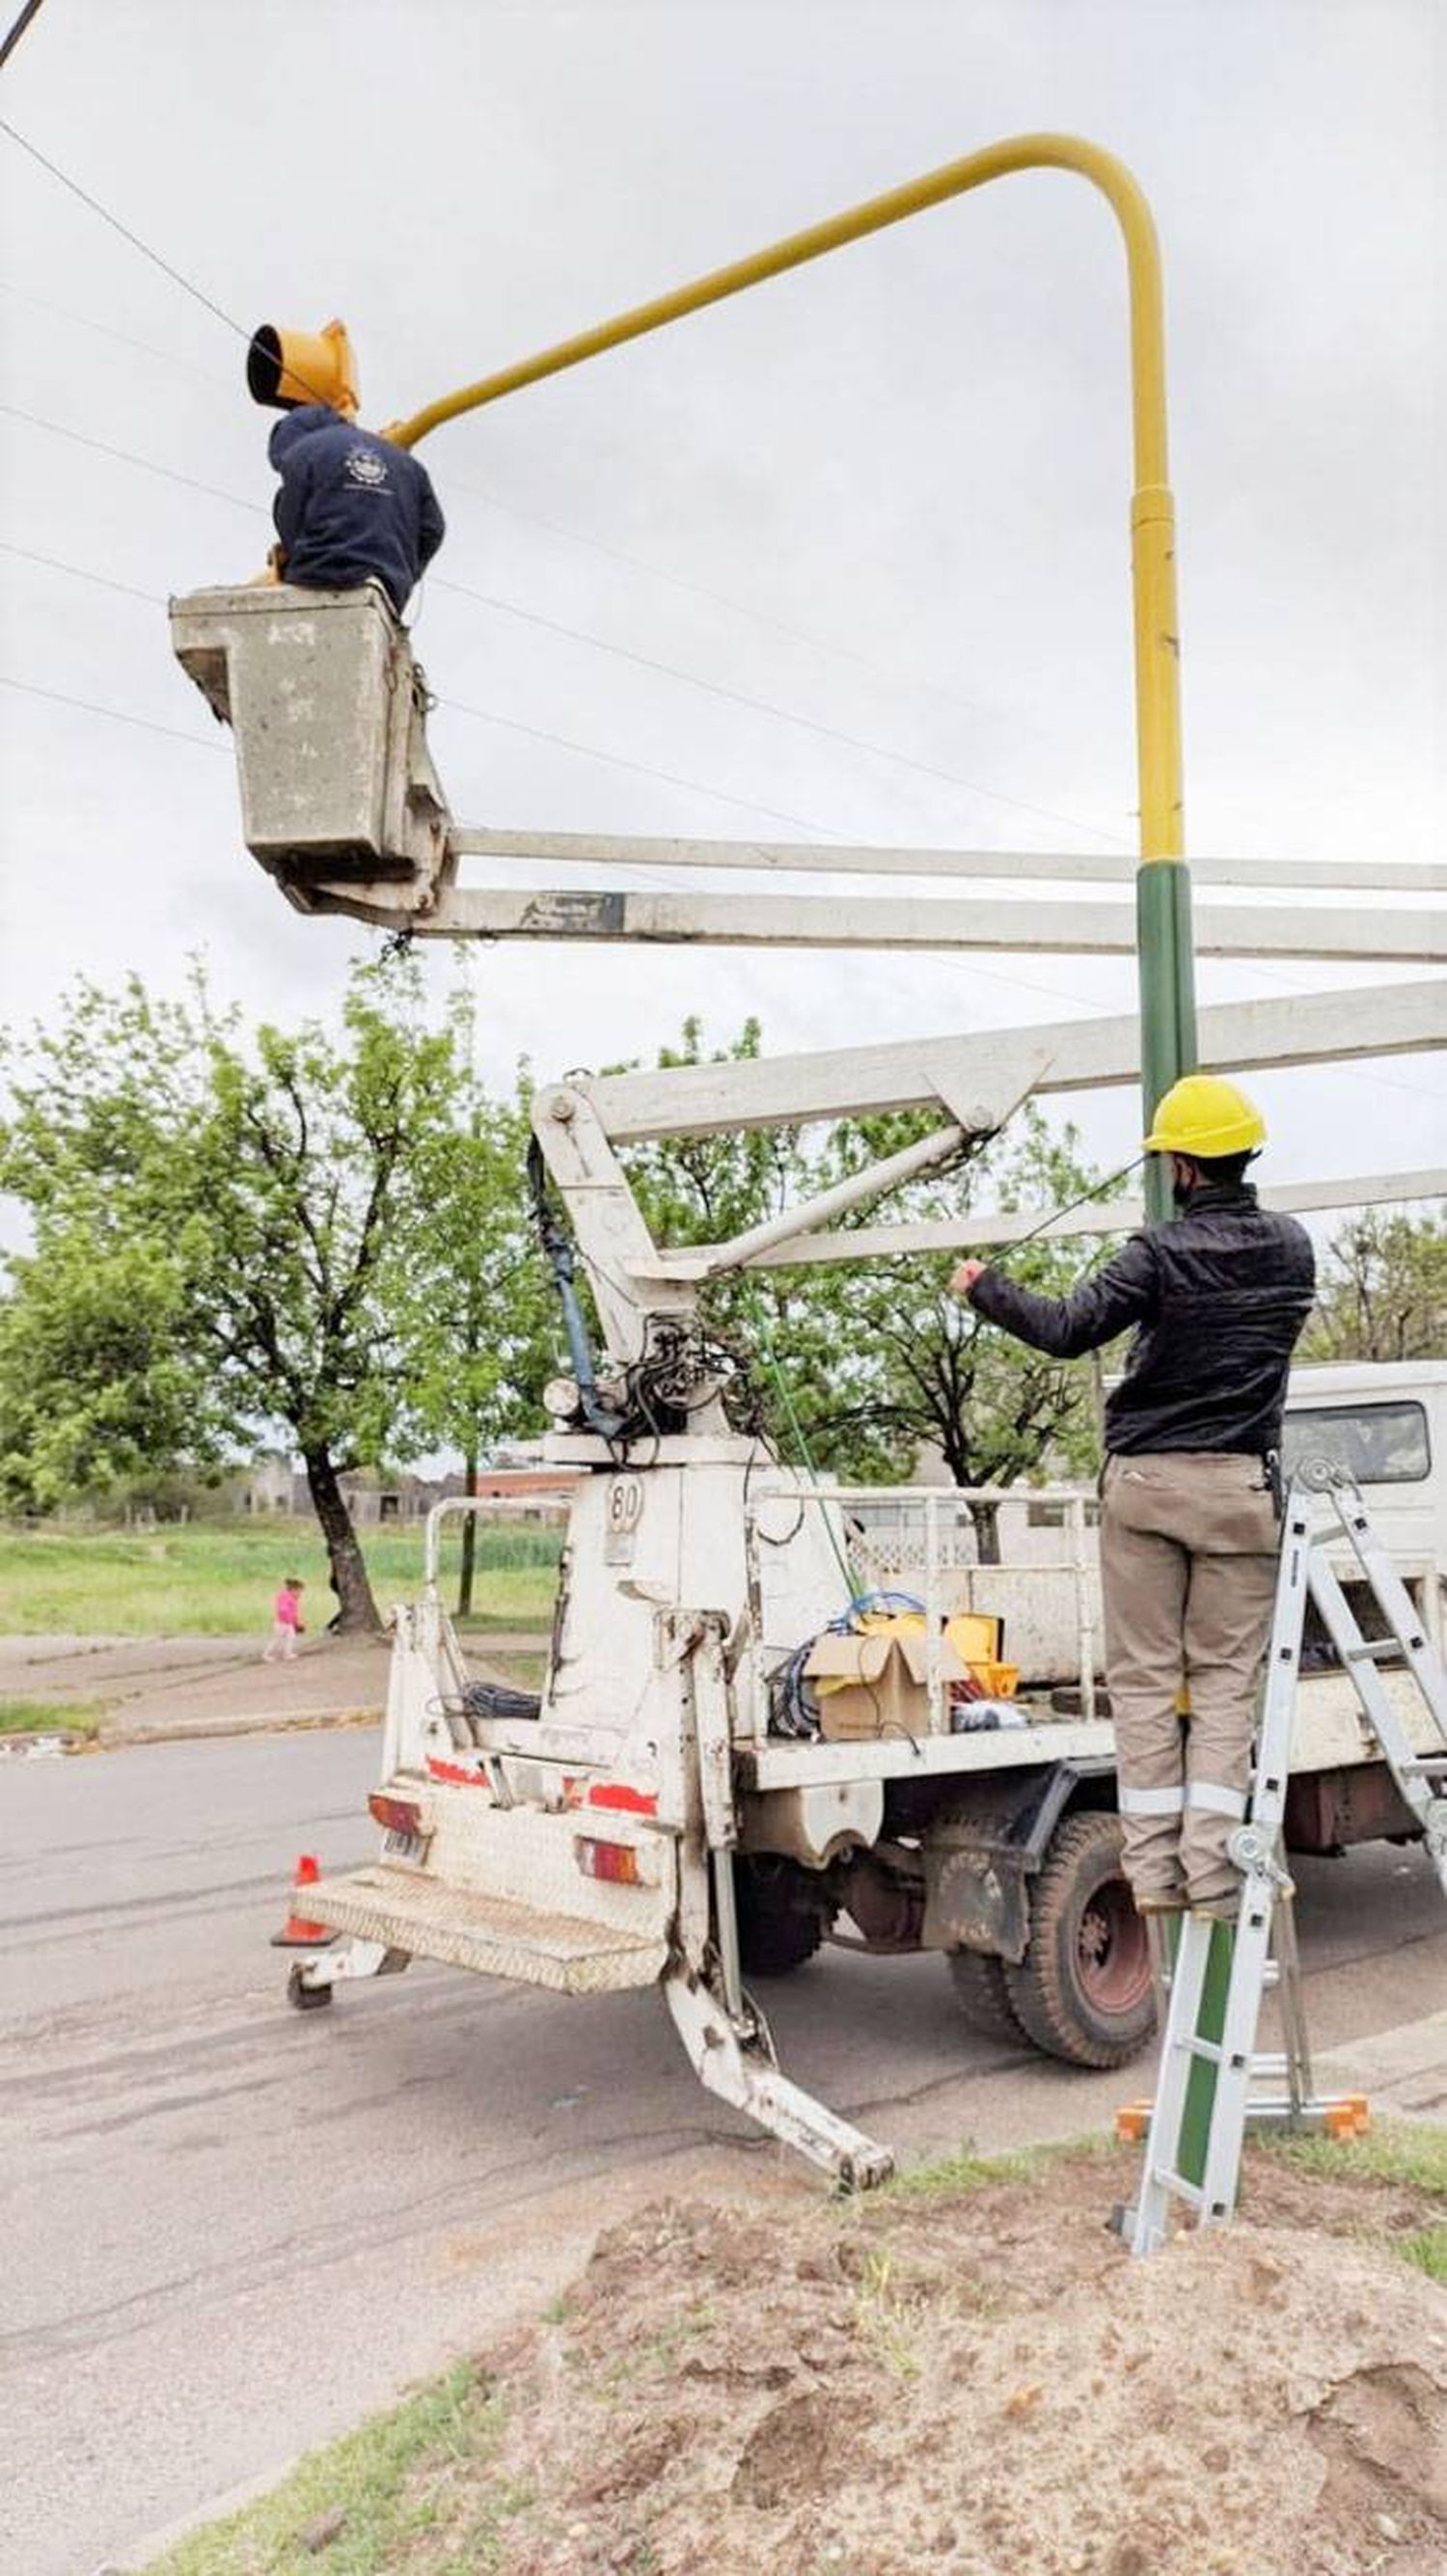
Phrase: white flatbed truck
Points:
(644, 1822)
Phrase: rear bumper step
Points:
(496, 1935)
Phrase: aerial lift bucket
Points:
(329, 712)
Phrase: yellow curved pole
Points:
(1168, 1045)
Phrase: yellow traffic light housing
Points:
(287, 368)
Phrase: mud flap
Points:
(748, 2078)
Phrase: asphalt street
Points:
(231, 2228)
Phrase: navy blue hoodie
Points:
(351, 508)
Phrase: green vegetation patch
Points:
(52, 1717)
(1427, 2248)
(1412, 2153)
(210, 1581)
(964, 2170)
(410, 2489)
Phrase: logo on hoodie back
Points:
(365, 469)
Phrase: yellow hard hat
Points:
(1202, 1115)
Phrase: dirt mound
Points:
(984, 2381)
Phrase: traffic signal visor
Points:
(287, 368)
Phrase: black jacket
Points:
(1218, 1300)
(351, 508)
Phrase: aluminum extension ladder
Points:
(1186, 2057)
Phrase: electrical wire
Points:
(197, 293)
(644, 661)
(554, 527)
(1052, 1216)
(766, 707)
(123, 339)
(113, 715)
(743, 608)
(31, 10)
(656, 572)
(80, 572)
(127, 456)
(645, 768)
(208, 303)
(589, 751)
(822, 832)
(251, 339)
(211, 306)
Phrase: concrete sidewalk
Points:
(167, 1687)
(1402, 2070)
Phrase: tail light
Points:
(398, 1815)
(617, 1861)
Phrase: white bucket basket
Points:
(328, 710)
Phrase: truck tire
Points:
(1083, 1989)
(982, 1995)
(781, 1911)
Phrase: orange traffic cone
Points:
(296, 1932)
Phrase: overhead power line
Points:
(76, 190)
(589, 751)
(645, 768)
(31, 10)
(146, 465)
(209, 303)
(601, 644)
(123, 339)
(81, 572)
(177, 278)
(125, 456)
(114, 715)
(766, 707)
(743, 608)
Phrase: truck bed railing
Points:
(937, 1513)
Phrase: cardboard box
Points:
(874, 1684)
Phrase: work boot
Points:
(1157, 1900)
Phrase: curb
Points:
(114, 1738)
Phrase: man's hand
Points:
(963, 1279)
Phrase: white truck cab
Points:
(1385, 1423)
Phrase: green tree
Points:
(1383, 1291)
(224, 1236)
(96, 1386)
(878, 1358)
(481, 1318)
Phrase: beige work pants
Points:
(1188, 1557)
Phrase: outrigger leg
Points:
(725, 2034)
(742, 2070)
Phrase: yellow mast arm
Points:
(935, 188)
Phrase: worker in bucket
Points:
(1188, 1527)
(352, 507)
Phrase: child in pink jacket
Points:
(286, 1622)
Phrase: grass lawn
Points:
(392, 2481)
(51, 1717)
(217, 1580)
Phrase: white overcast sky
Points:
(887, 494)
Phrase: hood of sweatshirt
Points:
(299, 424)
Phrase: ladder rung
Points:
(1166, 2179)
(1206, 2048)
(1371, 1650)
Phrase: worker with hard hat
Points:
(1188, 1530)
